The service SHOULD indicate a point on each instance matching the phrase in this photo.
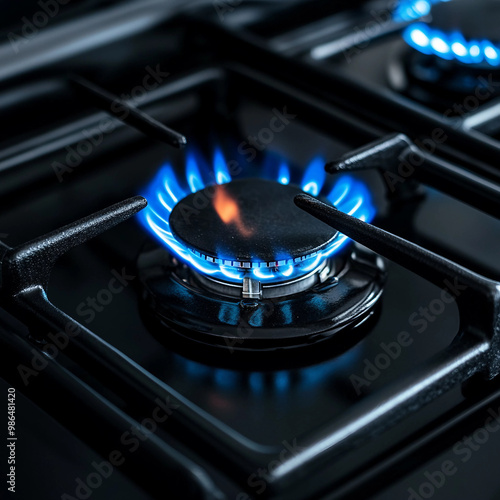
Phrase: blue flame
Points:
(449, 46)
(193, 174)
(410, 10)
(222, 175)
(284, 174)
(167, 189)
(314, 178)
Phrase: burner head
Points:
(241, 268)
(248, 223)
(236, 229)
(463, 32)
(453, 54)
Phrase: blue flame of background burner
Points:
(449, 46)
(168, 188)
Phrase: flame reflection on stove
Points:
(257, 383)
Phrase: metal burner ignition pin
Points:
(252, 289)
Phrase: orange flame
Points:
(229, 212)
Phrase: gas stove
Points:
(250, 250)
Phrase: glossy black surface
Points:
(242, 399)
(318, 427)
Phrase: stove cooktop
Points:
(238, 264)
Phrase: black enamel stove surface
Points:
(357, 378)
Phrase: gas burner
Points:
(243, 268)
(460, 30)
(250, 219)
(248, 228)
(453, 49)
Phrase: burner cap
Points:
(246, 222)
(474, 19)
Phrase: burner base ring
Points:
(173, 301)
(441, 83)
